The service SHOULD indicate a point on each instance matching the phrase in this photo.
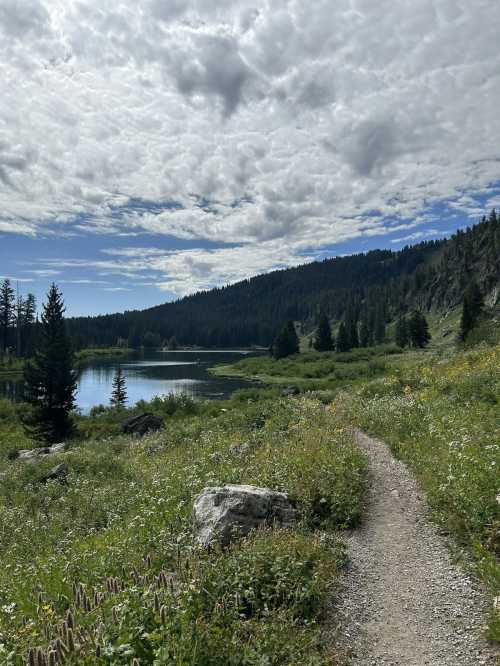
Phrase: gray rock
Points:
(240, 450)
(58, 473)
(140, 425)
(31, 454)
(290, 390)
(221, 513)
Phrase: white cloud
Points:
(322, 119)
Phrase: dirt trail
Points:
(405, 603)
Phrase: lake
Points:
(147, 374)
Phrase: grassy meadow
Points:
(312, 370)
(105, 569)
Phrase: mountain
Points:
(431, 276)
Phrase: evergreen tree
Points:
(342, 339)
(286, 342)
(293, 338)
(49, 378)
(471, 309)
(401, 333)
(418, 330)
(119, 392)
(6, 311)
(323, 338)
(28, 332)
(379, 325)
(364, 333)
(19, 315)
(351, 325)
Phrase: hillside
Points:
(431, 275)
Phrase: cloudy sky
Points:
(149, 149)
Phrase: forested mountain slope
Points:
(431, 275)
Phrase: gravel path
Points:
(404, 602)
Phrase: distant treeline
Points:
(17, 321)
(380, 285)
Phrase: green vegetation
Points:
(314, 370)
(11, 365)
(90, 353)
(107, 562)
(441, 417)
(14, 365)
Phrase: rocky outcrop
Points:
(33, 454)
(140, 425)
(57, 473)
(223, 513)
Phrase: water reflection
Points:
(147, 374)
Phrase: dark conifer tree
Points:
(342, 339)
(323, 338)
(286, 342)
(49, 378)
(364, 333)
(28, 327)
(19, 315)
(418, 330)
(401, 333)
(7, 300)
(379, 325)
(471, 309)
(293, 338)
(351, 325)
(119, 390)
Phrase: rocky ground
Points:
(404, 601)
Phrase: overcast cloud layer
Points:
(269, 129)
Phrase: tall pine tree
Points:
(7, 301)
(418, 330)
(286, 342)
(471, 309)
(364, 332)
(401, 333)
(119, 390)
(323, 338)
(342, 338)
(49, 377)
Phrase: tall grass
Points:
(113, 550)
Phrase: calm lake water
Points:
(148, 374)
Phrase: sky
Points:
(152, 149)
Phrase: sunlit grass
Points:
(115, 546)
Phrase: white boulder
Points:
(222, 513)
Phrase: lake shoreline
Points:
(148, 373)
